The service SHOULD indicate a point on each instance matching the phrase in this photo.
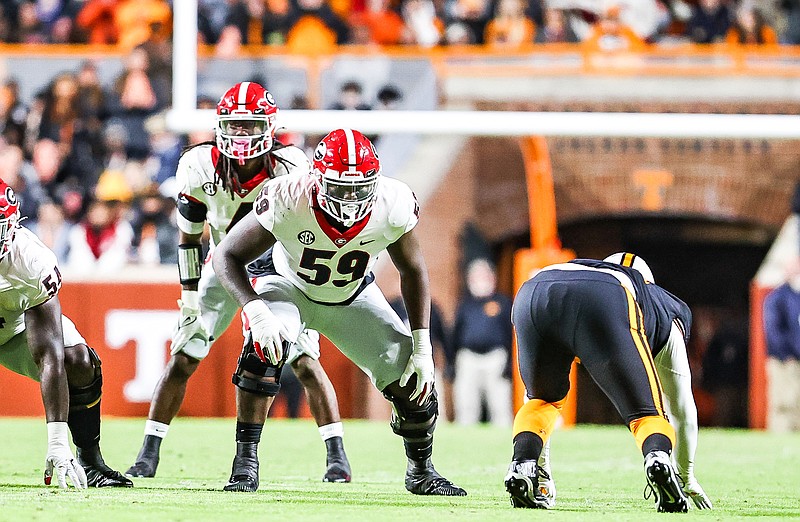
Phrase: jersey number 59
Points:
(352, 265)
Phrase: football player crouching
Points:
(37, 341)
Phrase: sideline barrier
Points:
(130, 326)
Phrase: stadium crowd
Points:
(317, 25)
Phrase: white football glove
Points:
(189, 326)
(421, 364)
(61, 459)
(694, 491)
(308, 343)
(266, 330)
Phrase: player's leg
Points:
(258, 382)
(613, 348)
(324, 407)
(498, 389)
(371, 335)
(544, 365)
(467, 400)
(217, 311)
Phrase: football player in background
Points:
(218, 183)
(37, 341)
(630, 335)
(326, 232)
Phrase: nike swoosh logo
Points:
(362, 243)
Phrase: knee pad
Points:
(268, 384)
(411, 420)
(85, 397)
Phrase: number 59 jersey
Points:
(28, 277)
(326, 264)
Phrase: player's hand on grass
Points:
(421, 365)
(266, 329)
(189, 325)
(694, 491)
(61, 460)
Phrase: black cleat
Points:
(426, 481)
(98, 474)
(663, 483)
(522, 484)
(337, 463)
(338, 471)
(244, 472)
(147, 460)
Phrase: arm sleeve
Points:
(404, 214)
(672, 365)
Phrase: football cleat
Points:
(145, 465)
(522, 485)
(244, 472)
(662, 482)
(98, 474)
(426, 481)
(338, 471)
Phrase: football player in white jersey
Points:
(218, 183)
(40, 343)
(326, 232)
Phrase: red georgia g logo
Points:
(9, 199)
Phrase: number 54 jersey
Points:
(28, 277)
(326, 264)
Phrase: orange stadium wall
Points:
(130, 325)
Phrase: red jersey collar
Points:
(338, 238)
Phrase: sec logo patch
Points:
(306, 237)
(210, 188)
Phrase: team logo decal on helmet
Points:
(246, 126)
(9, 217)
(347, 169)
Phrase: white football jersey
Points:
(29, 276)
(328, 265)
(202, 197)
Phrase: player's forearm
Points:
(417, 298)
(231, 272)
(190, 261)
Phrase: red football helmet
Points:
(246, 121)
(346, 168)
(9, 217)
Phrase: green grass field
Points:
(597, 470)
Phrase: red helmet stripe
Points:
(241, 98)
(351, 150)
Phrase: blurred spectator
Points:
(443, 358)
(318, 28)
(91, 98)
(165, 150)
(96, 19)
(556, 28)
(200, 136)
(709, 22)
(30, 29)
(155, 238)
(610, 33)
(750, 28)
(473, 14)
(138, 21)
(782, 331)
(424, 26)
(279, 17)
(132, 100)
(24, 182)
(510, 26)
(481, 342)
(246, 16)
(389, 98)
(379, 24)
(52, 229)
(791, 35)
(119, 168)
(351, 97)
(725, 370)
(101, 242)
(458, 33)
(12, 114)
